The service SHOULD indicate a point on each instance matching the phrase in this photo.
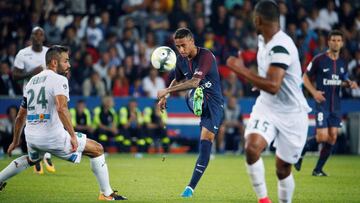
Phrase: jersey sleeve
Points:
(312, 68)
(19, 61)
(62, 88)
(205, 62)
(280, 57)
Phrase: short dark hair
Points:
(335, 33)
(182, 33)
(55, 52)
(268, 9)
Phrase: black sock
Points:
(324, 155)
(201, 163)
(309, 143)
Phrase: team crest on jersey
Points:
(342, 70)
(64, 86)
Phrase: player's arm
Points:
(188, 84)
(19, 125)
(271, 83)
(61, 102)
(318, 95)
(20, 74)
(350, 84)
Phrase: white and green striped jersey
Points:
(282, 52)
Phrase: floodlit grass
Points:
(154, 179)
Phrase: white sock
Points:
(99, 168)
(15, 167)
(256, 172)
(47, 155)
(286, 189)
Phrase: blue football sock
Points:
(309, 143)
(201, 163)
(324, 155)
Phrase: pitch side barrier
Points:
(181, 122)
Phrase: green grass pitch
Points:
(154, 179)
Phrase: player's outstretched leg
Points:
(200, 167)
(310, 142)
(99, 167)
(324, 155)
(15, 167)
(198, 101)
(49, 165)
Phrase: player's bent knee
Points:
(253, 150)
(99, 149)
(282, 173)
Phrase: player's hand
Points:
(74, 143)
(353, 84)
(162, 93)
(235, 63)
(12, 146)
(162, 104)
(319, 96)
(37, 70)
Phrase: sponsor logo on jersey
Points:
(334, 81)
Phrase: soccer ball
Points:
(163, 58)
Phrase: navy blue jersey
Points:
(202, 66)
(328, 75)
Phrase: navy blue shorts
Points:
(327, 119)
(212, 113)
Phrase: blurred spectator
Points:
(104, 24)
(220, 21)
(321, 45)
(137, 10)
(153, 83)
(8, 86)
(114, 57)
(94, 86)
(102, 66)
(313, 19)
(232, 86)
(52, 32)
(177, 15)
(199, 31)
(155, 128)
(231, 132)
(357, 20)
(198, 10)
(328, 16)
(128, 46)
(94, 34)
(132, 72)
(70, 40)
(283, 15)
(136, 89)
(81, 119)
(120, 86)
(84, 70)
(158, 22)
